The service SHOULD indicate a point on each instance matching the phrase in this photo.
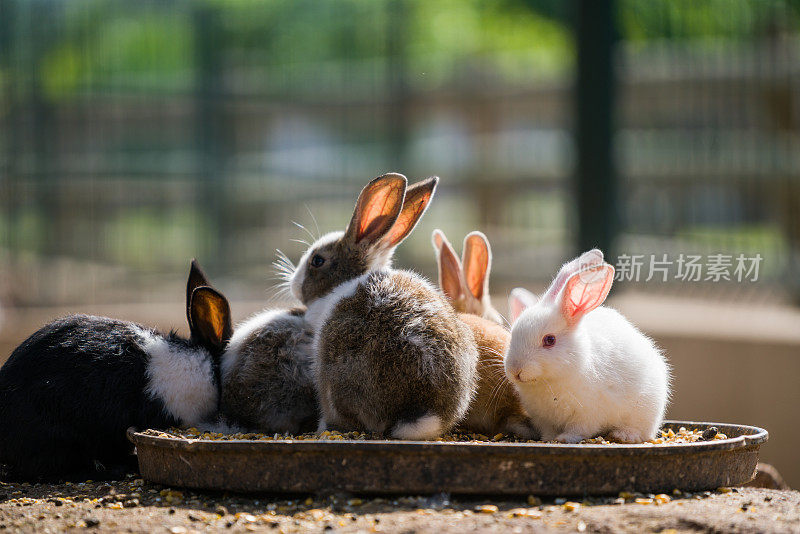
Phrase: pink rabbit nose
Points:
(523, 375)
(516, 374)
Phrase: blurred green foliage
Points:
(705, 19)
(152, 46)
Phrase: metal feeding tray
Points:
(418, 467)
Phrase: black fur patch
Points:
(68, 394)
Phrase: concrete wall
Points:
(736, 382)
(732, 363)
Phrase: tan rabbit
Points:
(391, 355)
(496, 407)
(466, 282)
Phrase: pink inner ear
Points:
(414, 204)
(377, 208)
(476, 265)
(585, 291)
(438, 239)
(450, 273)
(585, 260)
(517, 305)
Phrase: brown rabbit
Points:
(466, 282)
(496, 408)
(390, 354)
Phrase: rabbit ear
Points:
(520, 300)
(416, 201)
(437, 239)
(585, 291)
(197, 278)
(377, 209)
(210, 318)
(477, 260)
(587, 259)
(450, 277)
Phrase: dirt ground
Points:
(133, 505)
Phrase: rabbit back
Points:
(640, 388)
(392, 357)
(69, 392)
(267, 375)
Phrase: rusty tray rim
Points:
(753, 436)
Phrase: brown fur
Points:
(466, 282)
(495, 408)
(371, 235)
(392, 352)
(344, 260)
(270, 387)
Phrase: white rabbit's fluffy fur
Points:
(601, 377)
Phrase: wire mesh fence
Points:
(137, 135)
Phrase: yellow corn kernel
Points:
(533, 500)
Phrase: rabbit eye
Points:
(549, 340)
(317, 261)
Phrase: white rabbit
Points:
(581, 369)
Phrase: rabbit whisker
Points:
(497, 392)
(490, 350)
(282, 270)
(571, 394)
(546, 383)
(319, 234)
(494, 402)
(306, 230)
(282, 256)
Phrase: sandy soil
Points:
(133, 505)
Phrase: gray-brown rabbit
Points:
(496, 407)
(390, 354)
(267, 381)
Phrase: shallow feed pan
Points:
(415, 467)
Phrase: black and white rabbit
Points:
(69, 392)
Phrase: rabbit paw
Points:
(626, 435)
(522, 427)
(569, 437)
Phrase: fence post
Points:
(210, 137)
(397, 84)
(10, 123)
(595, 179)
